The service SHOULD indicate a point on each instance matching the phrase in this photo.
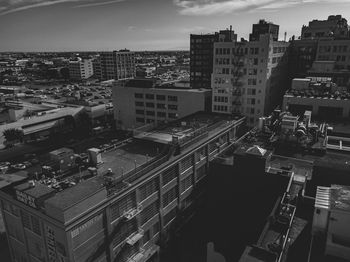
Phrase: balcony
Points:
(130, 214)
(134, 237)
(144, 254)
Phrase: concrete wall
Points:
(316, 103)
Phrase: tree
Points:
(13, 134)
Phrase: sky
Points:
(97, 25)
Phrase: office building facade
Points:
(117, 65)
(81, 69)
(111, 218)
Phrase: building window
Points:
(169, 175)
(149, 96)
(26, 220)
(161, 114)
(172, 98)
(172, 107)
(160, 97)
(156, 228)
(146, 236)
(148, 189)
(148, 212)
(124, 204)
(36, 225)
(140, 112)
(137, 103)
(172, 115)
(169, 196)
(138, 95)
(161, 106)
(186, 183)
(170, 216)
(150, 113)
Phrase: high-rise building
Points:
(201, 56)
(81, 69)
(335, 26)
(142, 101)
(302, 54)
(117, 65)
(263, 28)
(249, 78)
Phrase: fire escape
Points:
(237, 74)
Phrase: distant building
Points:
(335, 26)
(117, 65)
(263, 28)
(249, 78)
(140, 102)
(201, 56)
(81, 69)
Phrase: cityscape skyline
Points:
(56, 25)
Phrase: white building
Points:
(140, 102)
(249, 77)
(81, 69)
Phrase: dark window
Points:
(161, 106)
(172, 115)
(169, 175)
(160, 97)
(169, 196)
(148, 189)
(170, 216)
(148, 212)
(138, 95)
(172, 107)
(149, 96)
(161, 114)
(150, 105)
(146, 236)
(172, 98)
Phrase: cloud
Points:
(211, 7)
(131, 28)
(12, 6)
(98, 4)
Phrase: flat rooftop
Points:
(124, 163)
(186, 127)
(128, 157)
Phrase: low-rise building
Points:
(139, 102)
(325, 99)
(145, 188)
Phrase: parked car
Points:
(19, 166)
